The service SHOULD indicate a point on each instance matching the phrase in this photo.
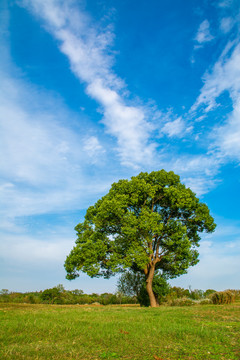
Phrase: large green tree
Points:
(149, 224)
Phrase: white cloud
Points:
(201, 164)
(174, 128)
(93, 148)
(87, 49)
(26, 249)
(226, 24)
(198, 172)
(126, 123)
(200, 184)
(42, 161)
(203, 33)
(228, 136)
(224, 77)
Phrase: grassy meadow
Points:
(114, 332)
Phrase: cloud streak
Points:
(224, 78)
(88, 51)
(225, 75)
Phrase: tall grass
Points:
(222, 297)
(85, 332)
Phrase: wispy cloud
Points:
(224, 78)
(225, 3)
(93, 148)
(225, 75)
(174, 128)
(203, 34)
(199, 172)
(227, 137)
(41, 159)
(87, 47)
(227, 24)
(27, 249)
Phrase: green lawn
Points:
(75, 332)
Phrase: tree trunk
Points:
(149, 281)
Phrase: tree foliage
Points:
(130, 283)
(53, 295)
(149, 223)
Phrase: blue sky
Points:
(94, 91)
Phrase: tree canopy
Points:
(149, 224)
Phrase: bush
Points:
(209, 292)
(52, 296)
(30, 299)
(4, 295)
(196, 294)
(236, 294)
(182, 302)
(177, 292)
(205, 301)
(222, 297)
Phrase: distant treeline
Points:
(58, 295)
(175, 296)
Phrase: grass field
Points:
(87, 332)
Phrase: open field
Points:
(114, 332)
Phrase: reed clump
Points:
(222, 297)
